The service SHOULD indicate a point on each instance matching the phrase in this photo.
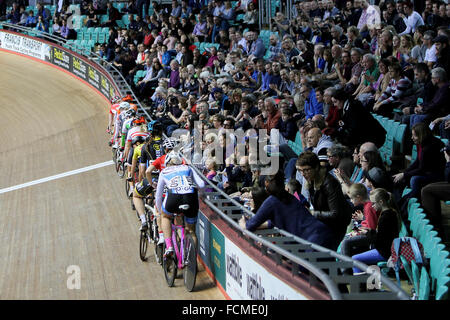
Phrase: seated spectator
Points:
(92, 19)
(323, 192)
(250, 17)
(284, 211)
(427, 168)
(31, 20)
(23, 16)
(41, 25)
(399, 86)
(432, 195)
(65, 30)
(387, 230)
(442, 53)
(339, 157)
(287, 126)
(312, 106)
(56, 27)
(365, 222)
(437, 107)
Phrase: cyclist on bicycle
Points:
(114, 110)
(137, 143)
(145, 187)
(139, 129)
(179, 183)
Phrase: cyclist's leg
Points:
(166, 225)
(138, 202)
(129, 165)
(191, 215)
(190, 228)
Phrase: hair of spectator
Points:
(308, 158)
(439, 73)
(422, 132)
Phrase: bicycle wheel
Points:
(170, 269)
(127, 188)
(159, 252)
(120, 168)
(114, 155)
(143, 245)
(190, 263)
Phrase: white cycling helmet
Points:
(124, 105)
(169, 143)
(173, 158)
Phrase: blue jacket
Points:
(293, 218)
(312, 107)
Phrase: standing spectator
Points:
(356, 124)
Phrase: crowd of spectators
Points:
(323, 72)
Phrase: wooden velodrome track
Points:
(50, 124)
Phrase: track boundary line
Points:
(56, 176)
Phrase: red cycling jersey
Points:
(159, 163)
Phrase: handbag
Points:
(408, 247)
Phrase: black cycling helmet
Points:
(137, 139)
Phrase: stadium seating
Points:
(424, 285)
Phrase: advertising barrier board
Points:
(61, 57)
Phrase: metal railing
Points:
(321, 266)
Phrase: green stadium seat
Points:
(439, 262)
(403, 231)
(101, 37)
(407, 268)
(442, 286)
(417, 225)
(415, 276)
(398, 139)
(94, 36)
(424, 285)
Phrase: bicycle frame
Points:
(178, 251)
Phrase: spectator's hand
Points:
(436, 121)
(398, 177)
(376, 106)
(363, 230)
(418, 109)
(447, 124)
(242, 222)
(406, 111)
(358, 215)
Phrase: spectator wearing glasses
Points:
(323, 192)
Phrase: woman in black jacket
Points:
(356, 125)
(324, 193)
(429, 165)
